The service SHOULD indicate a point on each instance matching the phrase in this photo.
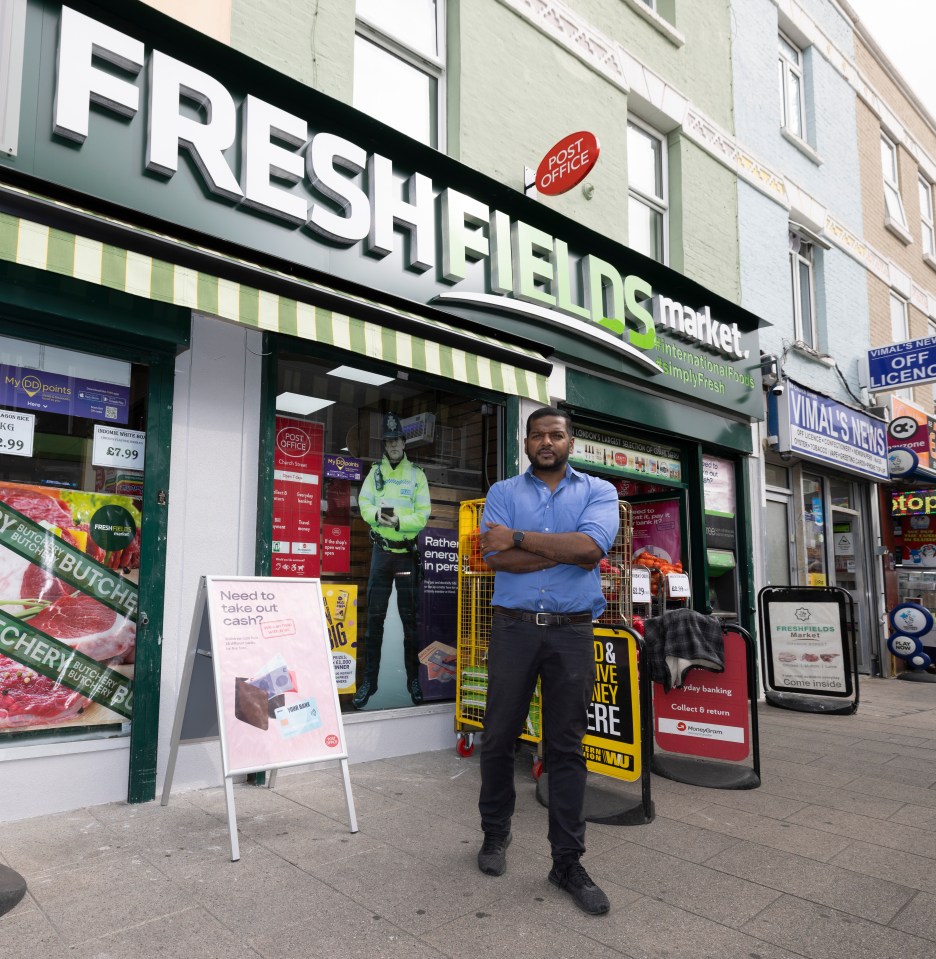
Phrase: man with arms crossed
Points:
(544, 533)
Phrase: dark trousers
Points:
(564, 659)
(387, 568)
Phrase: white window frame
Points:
(12, 52)
(895, 217)
(432, 66)
(791, 71)
(656, 204)
(803, 255)
(900, 333)
(927, 223)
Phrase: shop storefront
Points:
(821, 520)
(241, 336)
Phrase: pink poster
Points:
(273, 674)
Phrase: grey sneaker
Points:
(492, 858)
(578, 884)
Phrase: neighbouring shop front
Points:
(822, 473)
(240, 337)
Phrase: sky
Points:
(906, 31)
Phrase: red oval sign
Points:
(567, 163)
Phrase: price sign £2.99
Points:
(16, 433)
(121, 449)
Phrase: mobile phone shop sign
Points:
(819, 428)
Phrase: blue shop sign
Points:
(815, 427)
(901, 364)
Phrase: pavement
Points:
(834, 855)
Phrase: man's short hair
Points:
(545, 411)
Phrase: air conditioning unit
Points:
(419, 430)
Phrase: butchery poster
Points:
(69, 564)
(807, 648)
(276, 693)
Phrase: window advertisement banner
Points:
(297, 496)
(438, 612)
(45, 392)
(806, 643)
(273, 673)
(624, 456)
(69, 564)
(341, 615)
(657, 540)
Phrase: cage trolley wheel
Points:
(464, 744)
(537, 767)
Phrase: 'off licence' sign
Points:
(912, 363)
(567, 163)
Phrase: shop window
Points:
(927, 224)
(370, 473)
(647, 192)
(895, 218)
(71, 482)
(399, 65)
(792, 96)
(803, 279)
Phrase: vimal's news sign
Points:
(818, 428)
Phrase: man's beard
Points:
(557, 465)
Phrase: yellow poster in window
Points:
(341, 615)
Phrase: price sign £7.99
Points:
(121, 449)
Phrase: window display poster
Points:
(438, 612)
(916, 540)
(719, 490)
(45, 392)
(657, 538)
(806, 647)
(273, 673)
(297, 493)
(341, 615)
(69, 563)
(336, 548)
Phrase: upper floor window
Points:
(927, 227)
(647, 192)
(792, 98)
(399, 65)
(803, 277)
(900, 333)
(893, 205)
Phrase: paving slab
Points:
(722, 897)
(823, 933)
(819, 882)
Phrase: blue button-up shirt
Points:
(580, 504)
